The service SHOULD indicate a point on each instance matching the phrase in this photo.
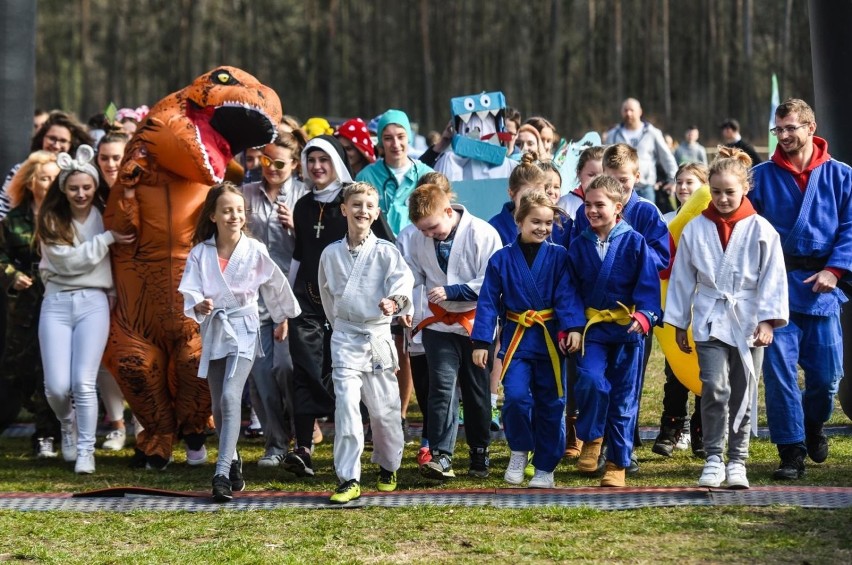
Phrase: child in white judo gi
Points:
(729, 281)
(364, 282)
(224, 273)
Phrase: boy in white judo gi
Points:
(364, 282)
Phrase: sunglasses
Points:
(277, 163)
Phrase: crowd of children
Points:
(318, 289)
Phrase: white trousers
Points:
(72, 332)
(110, 395)
(379, 391)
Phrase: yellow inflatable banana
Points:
(684, 366)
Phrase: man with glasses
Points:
(730, 131)
(805, 195)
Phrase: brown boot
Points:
(573, 445)
(588, 462)
(613, 476)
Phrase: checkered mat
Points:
(125, 499)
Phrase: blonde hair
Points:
(527, 173)
(734, 161)
(612, 189)
(351, 190)
(19, 187)
(619, 156)
(426, 200)
(699, 170)
(537, 199)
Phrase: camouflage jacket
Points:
(17, 253)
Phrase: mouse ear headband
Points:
(82, 163)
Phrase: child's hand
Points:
(387, 306)
(480, 357)
(405, 321)
(280, 332)
(636, 328)
(682, 340)
(204, 308)
(570, 343)
(824, 281)
(437, 294)
(763, 335)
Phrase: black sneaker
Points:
(816, 442)
(439, 468)
(238, 484)
(139, 459)
(479, 463)
(222, 488)
(299, 463)
(792, 465)
(667, 438)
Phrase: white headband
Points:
(82, 163)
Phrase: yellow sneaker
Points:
(346, 492)
(387, 480)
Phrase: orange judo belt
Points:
(527, 320)
(464, 319)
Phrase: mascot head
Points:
(195, 132)
(478, 120)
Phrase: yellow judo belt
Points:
(526, 320)
(622, 316)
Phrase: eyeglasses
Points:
(54, 139)
(277, 163)
(788, 129)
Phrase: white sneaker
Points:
(69, 443)
(46, 450)
(736, 473)
(137, 427)
(85, 464)
(115, 440)
(272, 460)
(714, 472)
(542, 479)
(514, 474)
(683, 441)
(196, 457)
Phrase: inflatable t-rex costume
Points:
(183, 147)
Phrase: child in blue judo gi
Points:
(615, 272)
(527, 280)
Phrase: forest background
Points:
(573, 61)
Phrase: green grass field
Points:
(424, 534)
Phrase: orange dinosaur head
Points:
(196, 131)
